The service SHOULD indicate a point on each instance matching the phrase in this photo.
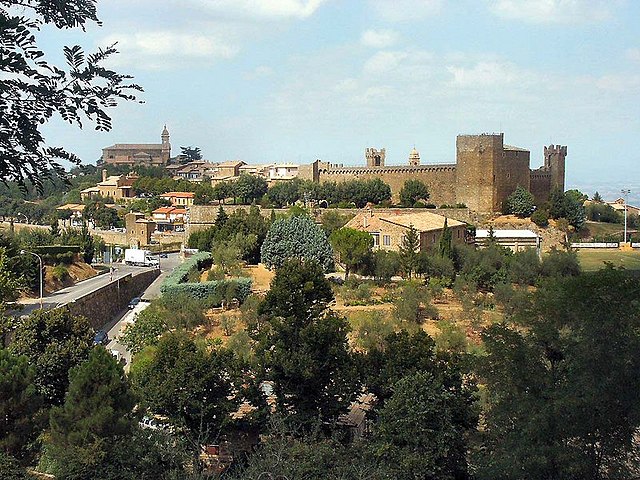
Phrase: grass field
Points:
(594, 259)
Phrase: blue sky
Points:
(296, 80)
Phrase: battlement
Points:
(555, 150)
(375, 157)
(404, 169)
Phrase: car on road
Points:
(164, 255)
(134, 301)
(101, 338)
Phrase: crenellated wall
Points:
(438, 178)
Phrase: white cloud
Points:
(261, 8)
(160, 50)
(406, 10)
(554, 11)
(633, 54)
(379, 38)
(484, 74)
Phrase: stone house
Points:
(183, 199)
(115, 186)
(388, 229)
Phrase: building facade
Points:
(147, 154)
(486, 172)
(389, 229)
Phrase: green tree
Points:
(421, 429)
(520, 203)
(412, 191)
(597, 198)
(249, 188)
(568, 205)
(303, 347)
(149, 326)
(190, 154)
(54, 341)
(85, 89)
(193, 386)
(445, 246)
(20, 405)
(353, 247)
(409, 249)
(97, 412)
(296, 237)
(562, 391)
(386, 265)
(221, 218)
(222, 191)
(10, 283)
(283, 194)
(10, 469)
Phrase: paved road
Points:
(115, 328)
(69, 294)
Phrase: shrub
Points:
(60, 273)
(519, 203)
(540, 218)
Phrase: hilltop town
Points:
(207, 312)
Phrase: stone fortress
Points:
(486, 172)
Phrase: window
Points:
(376, 239)
(386, 240)
(458, 233)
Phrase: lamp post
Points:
(625, 194)
(22, 252)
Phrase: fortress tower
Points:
(414, 157)
(166, 146)
(375, 158)
(554, 161)
(477, 160)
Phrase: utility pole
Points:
(625, 194)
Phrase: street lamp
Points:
(625, 194)
(22, 252)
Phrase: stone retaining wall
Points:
(104, 304)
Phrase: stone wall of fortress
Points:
(541, 184)
(438, 178)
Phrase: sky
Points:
(294, 80)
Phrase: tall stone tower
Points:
(375, 158)
(414, 157)
(476, 169)
(166, 146)
(554, 159)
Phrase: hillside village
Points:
(178, 313)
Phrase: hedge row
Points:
(56, 249)
(213, 291)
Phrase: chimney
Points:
(364, 221)
(104, 174)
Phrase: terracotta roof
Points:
(421, 221)
(231, 163)
(163, 210)
(178, 194)
(71, 206)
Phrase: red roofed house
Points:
(168, 218)
(184, 199)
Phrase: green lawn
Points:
(594, 259)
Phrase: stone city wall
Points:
(440, 179)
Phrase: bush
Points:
(519, 203)
(560, 264)
(60, 273)
(540, 218)
(214, 292)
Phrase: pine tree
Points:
(222, 218)
(409, 251)
(597, 197)
(96, 415)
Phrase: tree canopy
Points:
(413, 191)
(353, 247)
(32, 90)
(296, 237)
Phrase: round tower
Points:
(414, 157)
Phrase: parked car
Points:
(101, 338)
(164, 255)
(134, 301)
